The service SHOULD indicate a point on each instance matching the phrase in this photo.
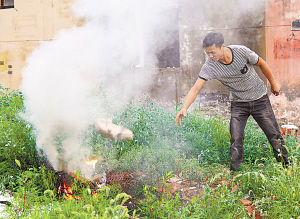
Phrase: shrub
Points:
(16, 139)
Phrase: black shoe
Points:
(287, 163)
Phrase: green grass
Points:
(28, 203)
(199, 150)
(16, 139)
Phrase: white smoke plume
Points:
(90, 71)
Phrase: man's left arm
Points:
(275, 87)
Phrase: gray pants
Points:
(262, 112)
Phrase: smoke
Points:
(222, 14)
(91, 71)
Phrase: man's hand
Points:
(275, 88)
(191, 96)
(180, 114)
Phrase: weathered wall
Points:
(22, 28)
(283, 55)
(32, 21)
(283, 44)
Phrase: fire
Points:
(69, 185)
(66, 183)
(92, 162)
(65, 189)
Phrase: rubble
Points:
(185, 188)
(289, 130)
(5, 199)
(286, 111)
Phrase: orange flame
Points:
(66, 190)
(92, 161)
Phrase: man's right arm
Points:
(190, 98)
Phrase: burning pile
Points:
(69, 184)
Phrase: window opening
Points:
(296, 24)
(6, 4)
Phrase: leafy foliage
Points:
(215, 203)
(275, 188)
(103, 204)
(199, 149)
(16, 139)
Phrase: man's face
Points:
(214, 53)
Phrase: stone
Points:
(246, 202)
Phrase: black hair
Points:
(213, 38)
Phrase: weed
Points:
(200, 148)
(16, 139)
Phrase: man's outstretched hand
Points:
(275, 88)
(179, 115)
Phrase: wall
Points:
(32, 21)
(22, 29)
(283, 55)
(283, 44)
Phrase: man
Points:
(233, 66)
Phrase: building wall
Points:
(23, 27)
(32, 21)
(283, 44)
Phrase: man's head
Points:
(213, 44)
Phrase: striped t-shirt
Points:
(239, 76)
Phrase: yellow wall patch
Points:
(3, 62)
